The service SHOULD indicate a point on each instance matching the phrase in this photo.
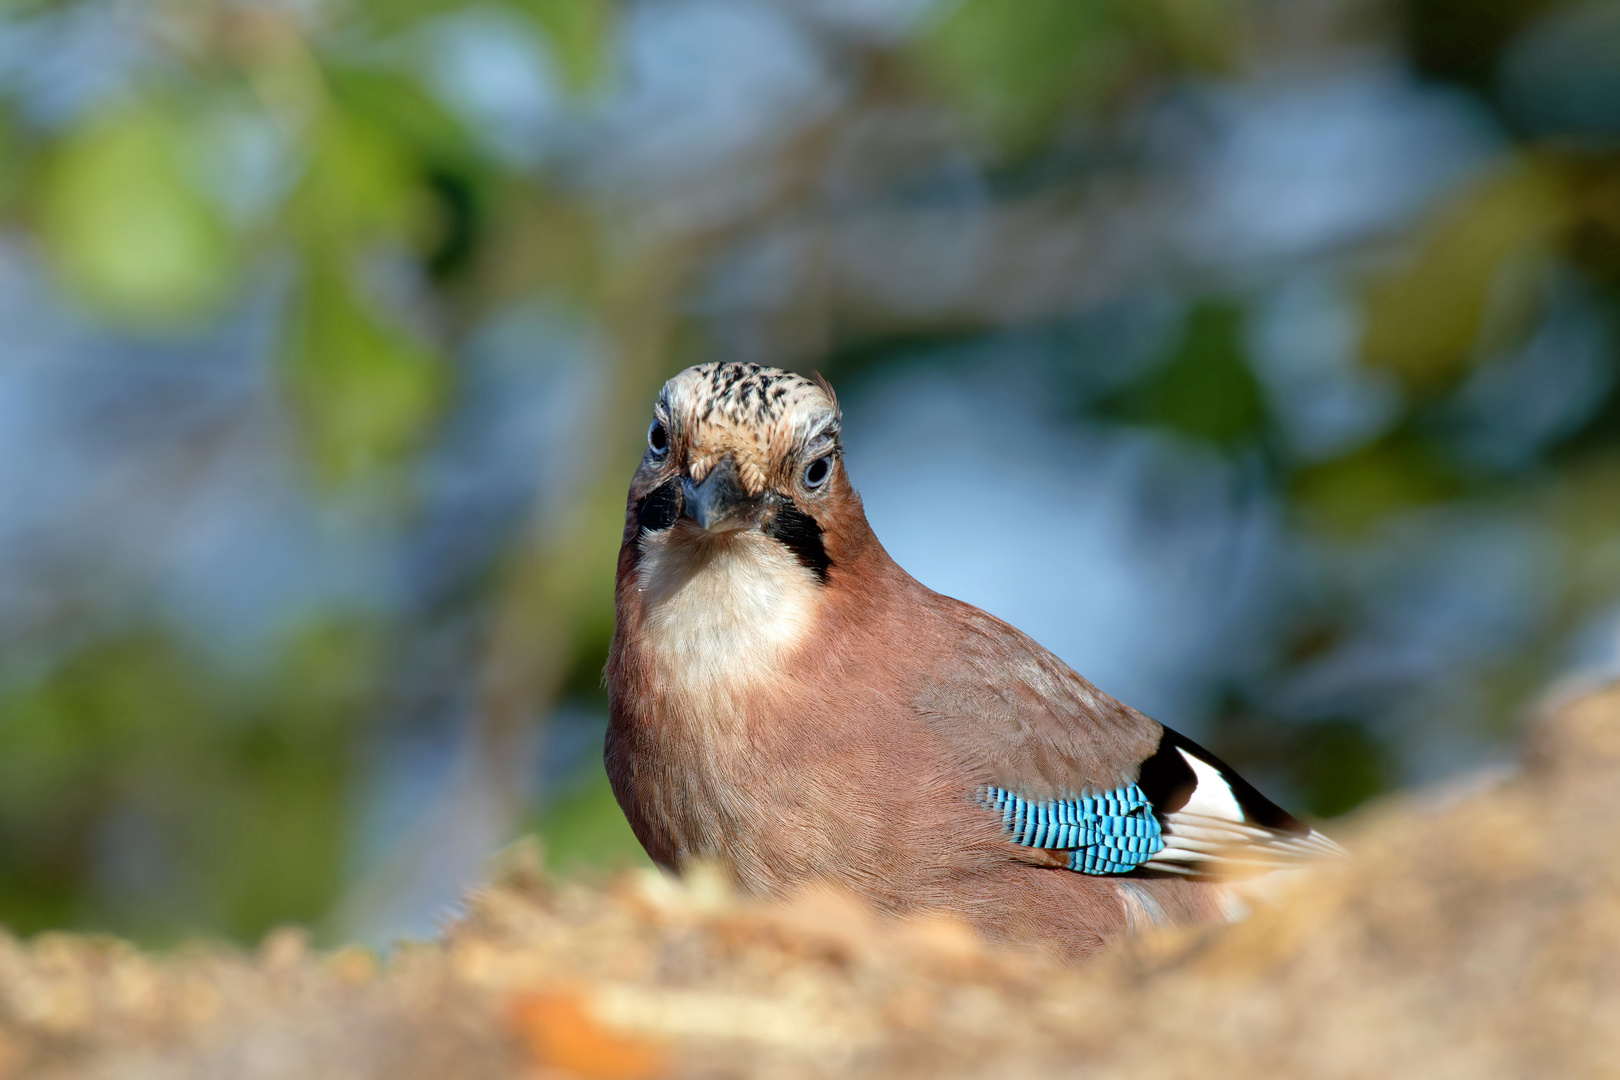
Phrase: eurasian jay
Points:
(786, 702)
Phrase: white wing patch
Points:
(1211, 835)
(1213, 796)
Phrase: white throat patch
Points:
(722, 613)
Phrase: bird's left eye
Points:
(816, 473)
(658, 439)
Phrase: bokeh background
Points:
(1257, 356)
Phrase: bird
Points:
(789, 705)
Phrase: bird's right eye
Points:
(658, 439)
(815, 474)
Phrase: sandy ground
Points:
(1474, 934)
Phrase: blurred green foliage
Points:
(1017, 76)
(1472, 283)
(585, 831)
(1206, 389)
(131, 231)
(1354, 492)
(225, 787)
(365, 387)
(580, 35)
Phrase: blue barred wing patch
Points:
(1111, 833)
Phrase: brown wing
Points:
(1019, 718)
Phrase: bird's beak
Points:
(720, 503)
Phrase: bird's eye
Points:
(816, 473)
(658, 439)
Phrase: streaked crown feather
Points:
(761, 416)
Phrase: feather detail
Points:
(1110, 833)
(1216, 824)
(1189, 815)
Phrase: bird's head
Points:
(740, 452)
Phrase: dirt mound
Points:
(1475, 934)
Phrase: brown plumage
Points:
(789, 703)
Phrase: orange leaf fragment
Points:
(559, 1032)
